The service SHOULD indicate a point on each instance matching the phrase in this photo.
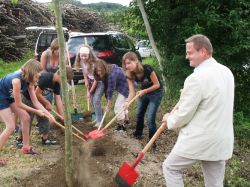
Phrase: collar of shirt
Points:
(205, 63)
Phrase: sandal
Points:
(2, 162)
(29, 150)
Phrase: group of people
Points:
(203, 116)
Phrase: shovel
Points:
(99, 133)
(58, 124)
(75, 116)
(88, 114)
(96, 133)
(127, 173)
(80, 132)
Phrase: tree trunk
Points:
(152, 42)
(65, 97)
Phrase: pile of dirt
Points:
(14, 18)
(96, 162)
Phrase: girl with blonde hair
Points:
(86, 60)
(11, 87)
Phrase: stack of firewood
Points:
(14, 18)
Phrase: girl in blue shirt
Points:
(11, 87)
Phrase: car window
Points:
(98, 43)
(45, 41)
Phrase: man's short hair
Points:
(201, 41)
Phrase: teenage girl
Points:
(11, 87)
(86, 59)
(150, 91)
(114, 79)
(50, 57)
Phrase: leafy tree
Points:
(226, 23)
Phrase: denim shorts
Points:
(5, 103)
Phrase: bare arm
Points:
(43, 60)
(42, 99)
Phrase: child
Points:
(86, 59)
(11, 87)
(48, 81)
(114, 79)
(150, 93)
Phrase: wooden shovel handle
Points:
(129, 103)
(100, 125)
(72, 125)
(158, 132)
(58, 124)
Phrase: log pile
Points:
(14, 18)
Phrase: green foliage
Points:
(226, 24)
(242, 128)
(11, 66)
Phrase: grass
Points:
(7, 67)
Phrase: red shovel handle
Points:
(138, 159)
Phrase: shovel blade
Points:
(126, 175)
(94, 134)
(76, 117)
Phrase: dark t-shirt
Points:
(46, 83)
(146, 81)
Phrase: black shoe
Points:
(49, 142)
(119, 127)
(137, 135)
(123, 128)
(126, 122)
(154, 148)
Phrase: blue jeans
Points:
(96, 101)
(150, 103)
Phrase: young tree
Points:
(65, 97)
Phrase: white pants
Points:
(213, 171)
(118, 107)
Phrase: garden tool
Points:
(75, 116)
(80, 132)
(95, 133)
(127, 173)
(100, 132)
(87, 114)
(58, 124)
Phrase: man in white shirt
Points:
(204, 118)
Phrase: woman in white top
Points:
(86, 59)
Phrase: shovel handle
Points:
(129, 103)
(88, 103)
(100, 126)
(72, 125)
(158, 132)
(58, 124)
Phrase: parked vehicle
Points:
(46, 36)
(109, 46)
(144, 48)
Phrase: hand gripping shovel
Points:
(58, 124)
(80, 132)
(127, 174)
(99, 133)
